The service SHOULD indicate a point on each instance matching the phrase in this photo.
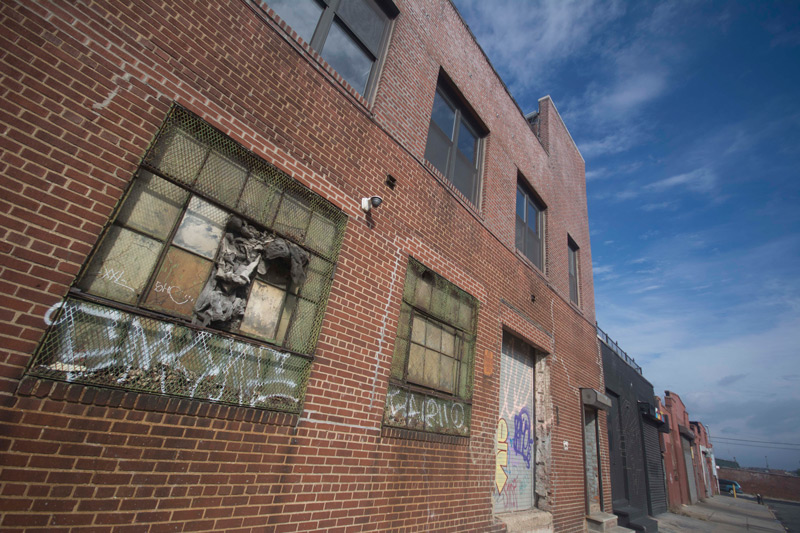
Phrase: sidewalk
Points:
(720, 514)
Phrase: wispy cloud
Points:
(529, 40)
(701, 180)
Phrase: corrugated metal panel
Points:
(687, 457)
(655, 470)
(514, 475)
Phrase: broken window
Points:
(431, 378)
(212, 237)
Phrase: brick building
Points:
(680, 458)
(706, 473)
(208, 323)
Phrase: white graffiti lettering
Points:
(128, 342)
(436, 412)
(180, 299)
(116, 277)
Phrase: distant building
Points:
(725, 463)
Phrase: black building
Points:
(638, 489)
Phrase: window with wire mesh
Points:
(432, 366)
(211, 237)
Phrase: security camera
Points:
(368, 203)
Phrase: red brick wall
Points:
(85, 89)
(781, 486)
(674, 464)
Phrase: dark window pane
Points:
(464, 177)
(437, 149)
(533, 248)
(301, 15)
(533, 217)
(365, 21)
(443, 115)
(467, 142)
(520, 234)
(349, 60)
(521, 205)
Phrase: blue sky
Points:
(688, 117)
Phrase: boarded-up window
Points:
(431, 379)
(208, 236)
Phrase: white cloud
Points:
(701, 180)
(529, 39)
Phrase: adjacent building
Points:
(288, 266)
(688, 455)
(634, 427)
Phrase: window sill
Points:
(142, 401)
(529, 263)
(409, 434)
(269, 16)
(458, 195)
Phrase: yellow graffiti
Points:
(500, 476)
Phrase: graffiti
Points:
(510, 495)
(501, 460)
(116, 277)
(416, 411)
(523, 440)
(88, 342)
(161, 287)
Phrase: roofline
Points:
(491, 66)
(547, 97)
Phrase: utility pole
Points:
(767, 461)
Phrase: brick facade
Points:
(85, 89)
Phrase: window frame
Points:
(429, 296)
(293, 192)
(530, 198)
(330, 16)
(462, 116)
(573, 268)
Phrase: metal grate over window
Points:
(432, 367)
(212, 252)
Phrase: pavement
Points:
(720, 514)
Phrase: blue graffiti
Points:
(523, 439)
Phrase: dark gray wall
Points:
(637, 474)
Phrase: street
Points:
(787, 512)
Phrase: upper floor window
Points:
(454, 143)
(350, 35)
(530, 235)
(573, 270)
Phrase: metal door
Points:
(514, 470)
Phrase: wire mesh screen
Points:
(432, 365)
(212, 235)
(100, 345)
